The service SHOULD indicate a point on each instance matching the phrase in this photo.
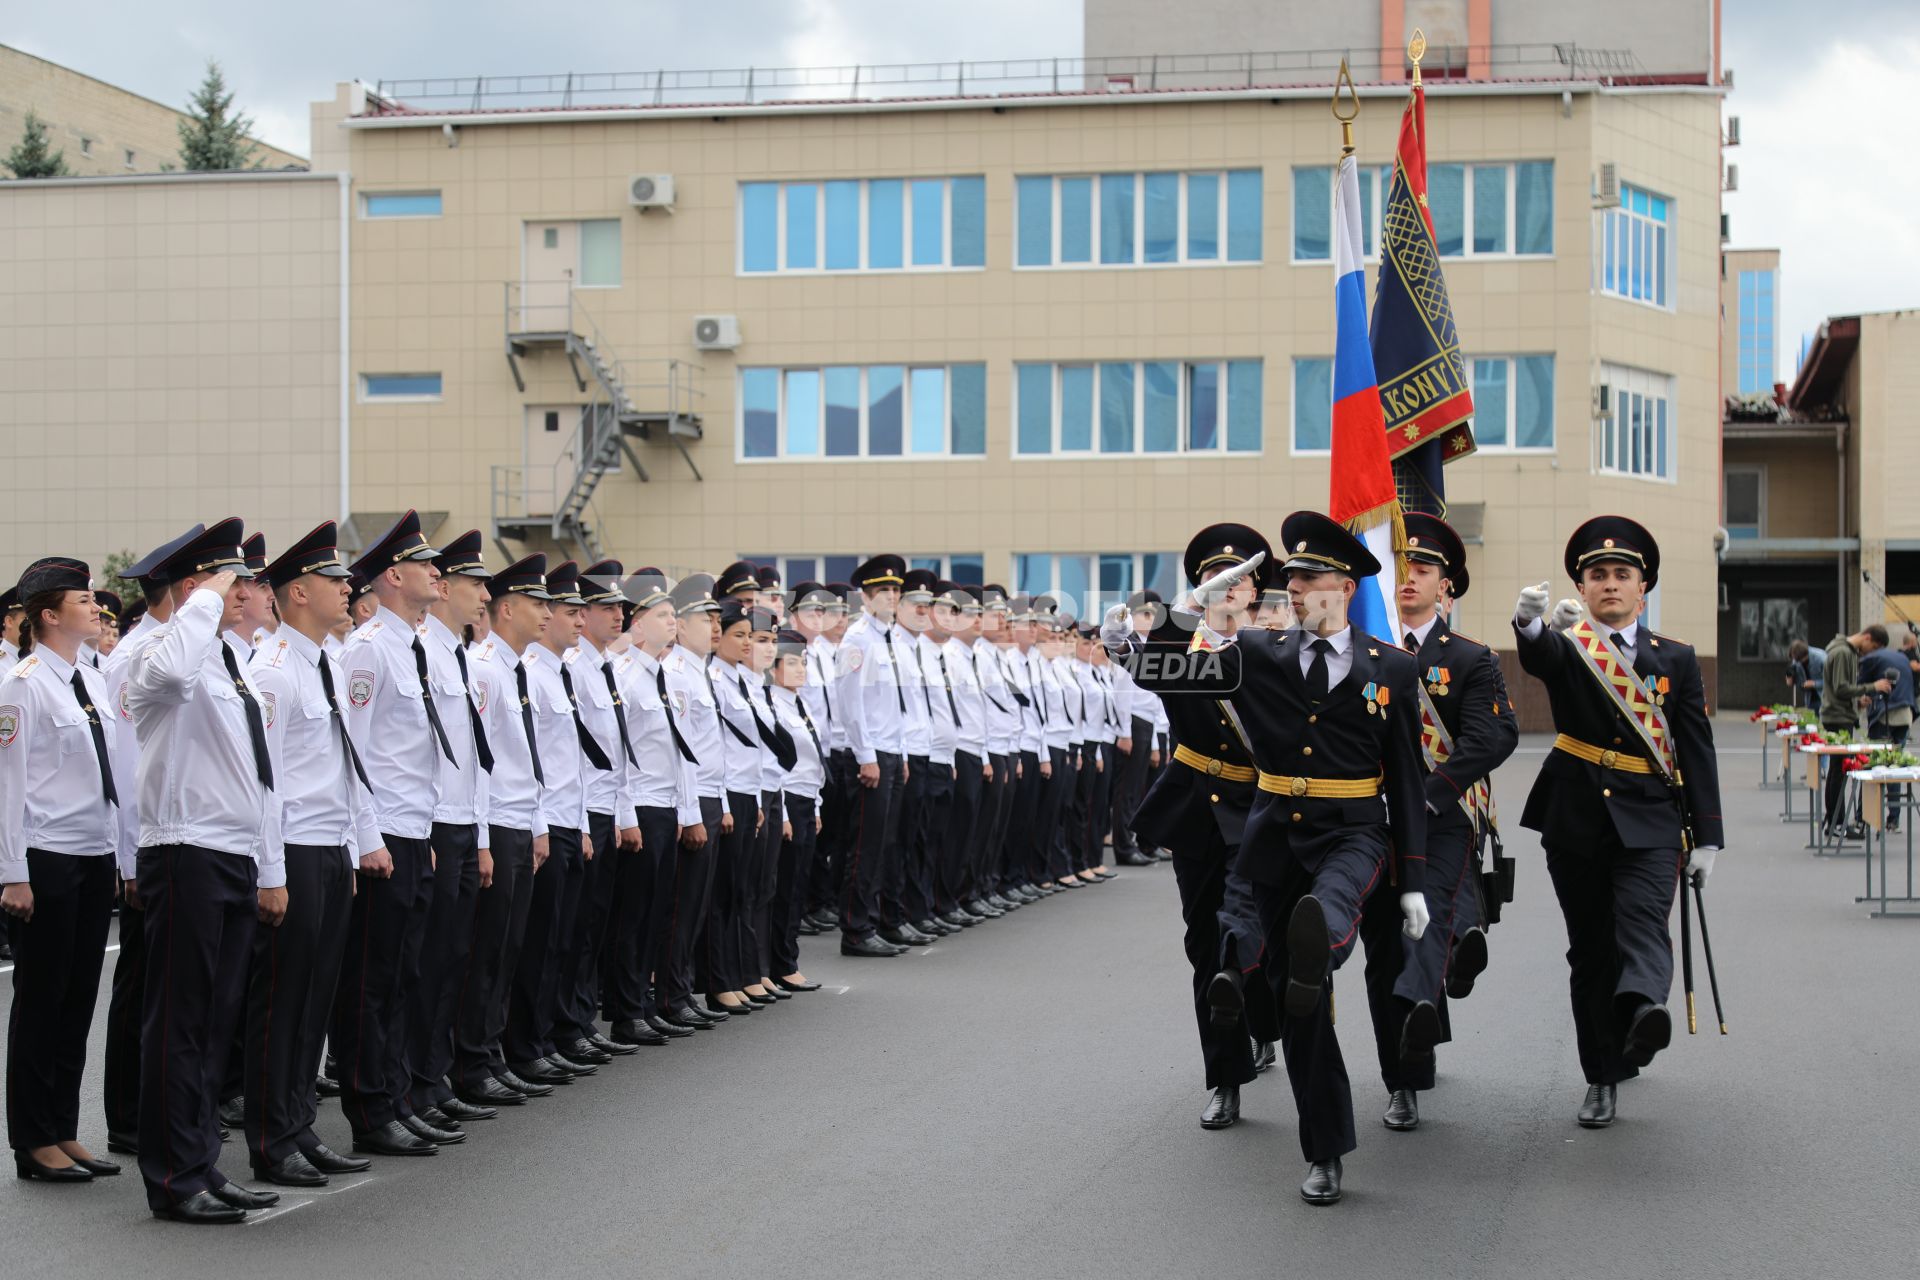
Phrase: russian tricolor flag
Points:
(1363, 496)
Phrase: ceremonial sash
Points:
(1436, 744)
(1627, 692)
(1200, 644)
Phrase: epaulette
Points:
(1450, 634)
(486, 649)
(25, 666)
(1654, 638)
(279, 654)
(570, 655)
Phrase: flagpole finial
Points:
(1416, 50)
(1345, 80)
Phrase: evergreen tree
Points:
(32, 158)
(214, 136)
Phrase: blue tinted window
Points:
(1312, 405)
(1446, 203)
(1203, 406)
(1244, 379)
(1071, 586)
(760, 413)
(803, 226)
(794, 568)
(1116, 408)
(803, 413)
(1076, 408)
(1490, 402)
(1244, 215)
(1533, 207)
(1533, 416)
(929, 235)
(1032, 574)
(418, 204)
(884, 416)
(1033, 385)
(967, 567)
(884, 223)
(1203, 217)
(1163, 217)
(376, 386)
(1161, 415)
(1313, 214)
(969, 389)
(1116, 217)
(929, 405)
(760, 227)
(1034, 196)
(969, 222)
(843, 412)
(838, 568)
(1076, 219)
(1490, 209)
(843, 226)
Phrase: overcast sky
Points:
(1827, 173)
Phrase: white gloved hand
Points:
(1531, 604)
(1565, 614)
(1116, 632)
(1222, 582)
(1700, 865)
(1414, 907)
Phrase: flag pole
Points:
(1416, 50)
(1345, 79)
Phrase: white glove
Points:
(1565, 614)
(1531, 604)
(1700, 864)
(1222, 582)
(1414, 907)
(1116, 631)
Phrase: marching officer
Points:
(1628, 797)
(1467, 731)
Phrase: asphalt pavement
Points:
(1024, 1100)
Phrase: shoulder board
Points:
(486, 649)
(25, 667)
(279, 654)
(372, 628)
(530, 656)
(1654, 637)
(420, 630)
(1372, 641)
(571, 655)
(1461, 635)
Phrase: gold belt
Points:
(1620, 760)
(1321, 788)
(1211, 767)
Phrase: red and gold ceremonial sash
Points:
(1628, 693)
(1436, 744)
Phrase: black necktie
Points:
(1039, 679)
(926, 694)
(99, 736)
(1619, 642)
(666, 705)
(1013, 686)
(595, 755)
(1413, 643)
(619, 716)
(826, 685)
(894, 662)
(426, 696)
(807, 720)
(480, 746)
(333, 709)
(1317, 671)
(947, 679)
(256, 726)
(973, 660)
(778, 740)
(732, 728)
(526, 718)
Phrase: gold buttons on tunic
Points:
(1607, 791)
(1215, 799)
(1306, 751)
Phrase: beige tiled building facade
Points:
(1039, 337)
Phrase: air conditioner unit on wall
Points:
(1733, 131)
(716, 333)
(1607, 195)
(651, 191)
(1733, 177)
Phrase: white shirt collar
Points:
(1341, 640)
(1421, 632)
(302, 646)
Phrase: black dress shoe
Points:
(561, 1069)
(1001, 902)
(1223, 1108)
(935, 928)
(671, 1030)
(777, 991)
(1468, 963)
(784, 985)
(808, 929)
(762, 1000)
(327, 1160)
(1226, 998)
(1418, 1035)
(611, 1047)
(393, 1139)
(527, 1088)
(1403, 1110)
(438, 1118)
(1263, 1056)
(729, 1010)
(98, 1168)
(683, 1017)
(457, 1110)
(26, 1168)
(233, 1113)
(241, 1198)
(1650, 1031)
(439, 1137)
(959, 919)
(1131, 859)
(488, 1094)
(1323, 1183)
(326, 1086)
(704, 1013)
(874, 946)
(1307, 952)
(631, 1035)
(1597, 1111)
(202, 1208)
(294, 1171)
(584, 1050)
(126, 1144)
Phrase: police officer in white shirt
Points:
(1003, 751)
(956, 615)
(1025, 853)
(800, 805)
(1059, 704)
(328, 825)
(691, 705)
(57, 830)
(868, 692)
(724, 957)
(776, 758)
(907, 901)
(819, 612)
(210, 865)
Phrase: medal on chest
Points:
(1438, 678)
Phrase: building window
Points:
(1131, 408)
(863, 412)
(600, 253)
(400, 386)
(1086, 583)
(1757, 331)
(1636, 439)
(1478, 210)
(1138, 219)
(878, 224)
(1768, 627)
(400, 204)
(1513, 403)
(1635, 247)
(1746, 502)
(1313, 405)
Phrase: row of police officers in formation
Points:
(408, 832)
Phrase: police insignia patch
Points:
(269, 703)
(679, 699)
(126, 712)
(480, 691)
(850, 659)
(9, 725)
(360, 688)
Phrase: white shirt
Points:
(1020, 666)
(510, 794)
(964, 672)
(1072, 695)
(820, 695)
(1001, 708)
(51, 794)
(773, 778)
(740, 734)
(605, 787)
(321, 799)
(564, 801)
(1057, 719)
(198, 782)
(942, 731)
(916, 728)
(699, 720)
(665, 779)
(459, 800)
(867, 693)
(1339, 660)
(10, 651)
(809, 770)
(126, 744)
(387, 712)
(1097, 721)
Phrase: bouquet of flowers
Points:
(1849, 763)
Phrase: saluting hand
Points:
(1565, 614)
(1216, 587)
(1532, 603)
(221, 583)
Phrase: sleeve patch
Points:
(360, 688)
(9, 725)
